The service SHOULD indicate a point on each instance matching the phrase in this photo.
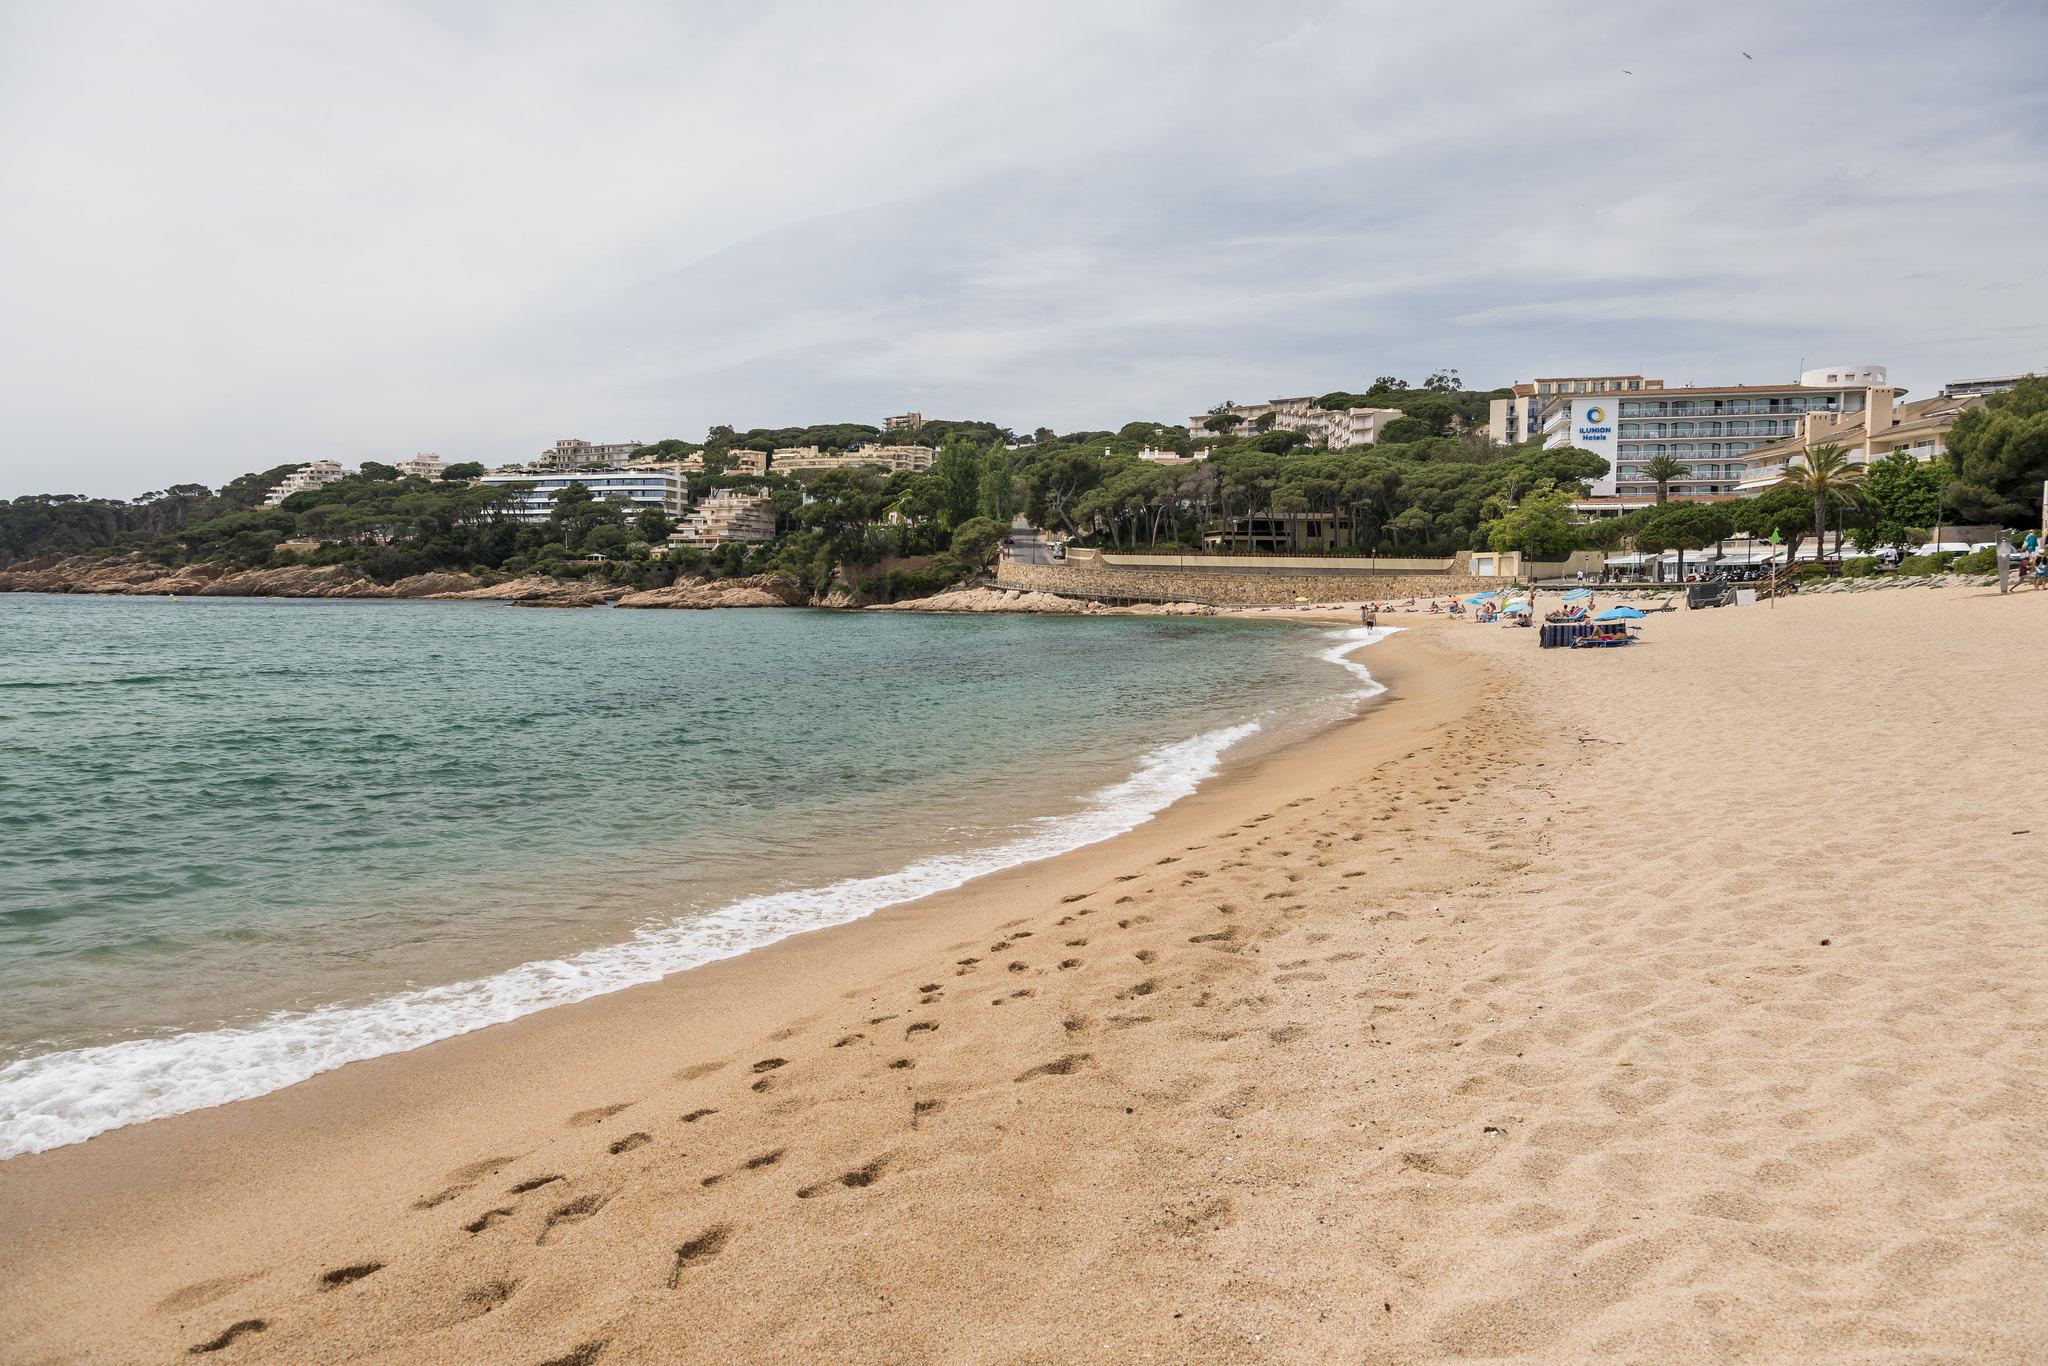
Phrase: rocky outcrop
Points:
(129, 575)
(537, 590)
(1014, 600)
(761, 590)
(81, 574)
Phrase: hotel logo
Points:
(1596, 415)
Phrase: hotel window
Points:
(1631, 410)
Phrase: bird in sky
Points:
(1750, 58)
(1626, 72)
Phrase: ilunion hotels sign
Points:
(1592, 426)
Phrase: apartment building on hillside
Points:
(790, 459)
(727, 517)
(903, 422)
(649, 486)
(573, 452)
(1336, 428)
(738, 460)
(1997, 384)
(308, 476)
(425, 465)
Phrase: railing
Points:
(1366, 564)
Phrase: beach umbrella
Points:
(1578, 595)
(1482, 597)
(1619, 614)
(1514, 608)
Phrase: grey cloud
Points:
(242, 233)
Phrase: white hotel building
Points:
(1709, 429)
(650, 486)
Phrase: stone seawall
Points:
(1223, 588)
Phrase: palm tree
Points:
(1664, 469)
(1828, 473)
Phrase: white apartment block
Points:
(425, 465)
(1710, 429)
(575, 453)
(1511, 421)
(1336, 428)
(727, 517)
(1997, 384)
(650, 486)
(308, 476)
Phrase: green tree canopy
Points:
(2000, 453)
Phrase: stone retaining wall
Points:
(1225, 588)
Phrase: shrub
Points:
(1983, 561)
(1936, 563)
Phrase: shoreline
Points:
(222, 1154)
(145, 1179)
(247, 1061)
(1434, 1036)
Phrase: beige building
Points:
(727, 518)
(308, 476)
(575, 453)
(425, 465)
(1881, 428)
(790, 459)
(903, 422)
(738, 460)
(1336, 428)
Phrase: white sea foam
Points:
(67, 1097)
(1356, 638)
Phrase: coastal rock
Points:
(132, 575)
(536, 590)
(760, 590)
(1019, 600)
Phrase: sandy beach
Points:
(1687, 1001)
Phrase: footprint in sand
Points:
(585, 1118)
(1058, 1067)
(703, 1247)
(228, 1336)
(860, 1176)
(349, 1275)
(575, 1212)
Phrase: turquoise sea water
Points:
(242, 841)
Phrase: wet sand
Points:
(1689, 1000)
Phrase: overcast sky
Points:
(236, 234)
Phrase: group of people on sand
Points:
(2028, 561)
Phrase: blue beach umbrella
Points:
(1482, 597)
(1619, 614)
(1578, 595)
(1513, 608)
